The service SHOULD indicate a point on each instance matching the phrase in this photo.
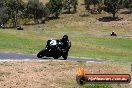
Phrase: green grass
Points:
(82, 46)
(97, 86)
(106, 48)
(13, 43)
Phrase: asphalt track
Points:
(14, 57)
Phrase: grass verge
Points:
(82, 46)
(56, 74)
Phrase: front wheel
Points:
(40, 54)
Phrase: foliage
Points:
(4, 17)
(96, 3)
(14, 11)
(15, 8)
(4, 12)
(55, 7)
(70, 4)
(128, 4)
(36, 10)
(112, 6)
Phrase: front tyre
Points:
(40, 54)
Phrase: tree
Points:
(55, 7)
(112, 6)
(2, 3)
(4, 17)
(100, 6)
(15, 7)
(94, 2)
(70, 4)
(88, 3)
(74, 3)
(67, 5)
(36, 10)
(130, 7)
(128, 4)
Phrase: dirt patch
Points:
(52, 74)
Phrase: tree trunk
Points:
(43, 20)
(14, 20)
(14, 23)
(94, 7)
(113, 15)
(56, 15)
(75, 9)
(99, 9)
(87, 8)
(69, 10)
(35, 16)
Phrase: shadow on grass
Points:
(53, 18)
(66, 12)
(126, 12)
(108, 19)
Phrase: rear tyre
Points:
(65, 55)
(40, 54)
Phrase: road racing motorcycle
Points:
(54, 49)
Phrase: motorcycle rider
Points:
(66, 43)
(65, 46)
(56, 48)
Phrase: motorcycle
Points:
(113, 34)
(53, 49)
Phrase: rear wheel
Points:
(65, 55)
(40, 54)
